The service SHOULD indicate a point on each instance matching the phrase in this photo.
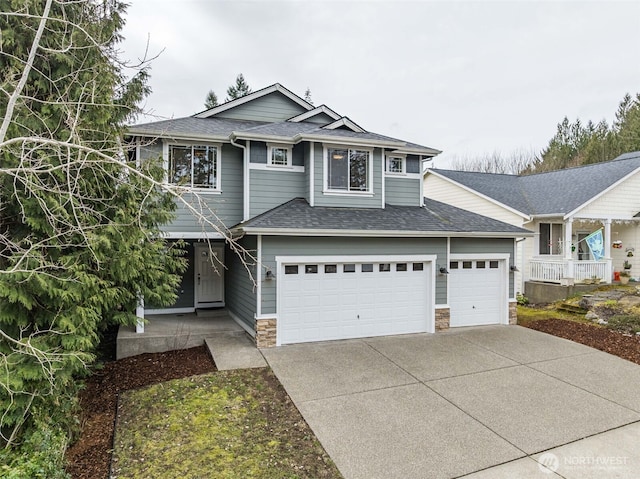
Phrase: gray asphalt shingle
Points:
(554, 192)
(435, 217)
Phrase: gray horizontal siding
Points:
(486, 245)
(353, 201)
(272, 107)
(402, 191)
(258, 153)
(320, 118)
(271, 188)
(413, 164)
(226, 206)
(240, 294)
(289, 246)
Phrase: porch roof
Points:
(434, 219)
(551, 193)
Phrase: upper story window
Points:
(550, 238)
(396, 164)
(279, 155)
(348, 169)
(194, 166)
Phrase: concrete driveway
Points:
(485, 402)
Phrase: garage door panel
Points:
(341, 305)
(477, 292)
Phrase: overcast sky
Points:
(468, 78)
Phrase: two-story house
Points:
(345, 243)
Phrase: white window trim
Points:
(166, 146)
(325, 167)
(404, 165)
(552, 254)
(280, 146)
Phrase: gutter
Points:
(378, 233)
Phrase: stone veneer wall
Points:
(442, 319)
(266, 333)
(513, 313)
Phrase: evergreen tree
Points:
(240, 88)
(79, 239)
(211, 100)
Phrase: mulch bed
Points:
(613, 342)
(90, 456)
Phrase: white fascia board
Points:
(344, 121)
(603, 192)
(316, 111)
(426, 151)
(191, 235)
(478, 194)
(376, 233)
(253, 96)
(241, 135)
(345, 140)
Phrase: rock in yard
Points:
(591, 316)
(602, 321)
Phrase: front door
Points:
(209, 275)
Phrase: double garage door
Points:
(352, 297)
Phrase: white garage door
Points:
(477, 292)
(319, 301)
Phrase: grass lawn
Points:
(229, 424)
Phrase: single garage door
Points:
(353, 298)
(477, 292)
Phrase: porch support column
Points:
(140, 315)
(568, 255)
(607, 250)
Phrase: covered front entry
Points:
(327, 298)
(478, 290)
(209, 275)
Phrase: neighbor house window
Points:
(395, 164)
(279, 155)
(194, 166)
(550, 238)
(348, 169)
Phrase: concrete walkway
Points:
(486, 402)
(233, 351)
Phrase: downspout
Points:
(245, 182)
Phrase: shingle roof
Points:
(555, 192)
(222, 128)
(191, 126)
(434, 217)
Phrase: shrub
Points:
(625, 323)
(521, 299)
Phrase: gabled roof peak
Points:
(276, 87)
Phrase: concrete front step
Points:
(234, 351)
(172, 332)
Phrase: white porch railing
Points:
(553, 271)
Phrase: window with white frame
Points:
(550, 238)
(195, 166)
(396, 164)
(279, 155)
(348, 169)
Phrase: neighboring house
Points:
(346, 244)
(561, 208)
